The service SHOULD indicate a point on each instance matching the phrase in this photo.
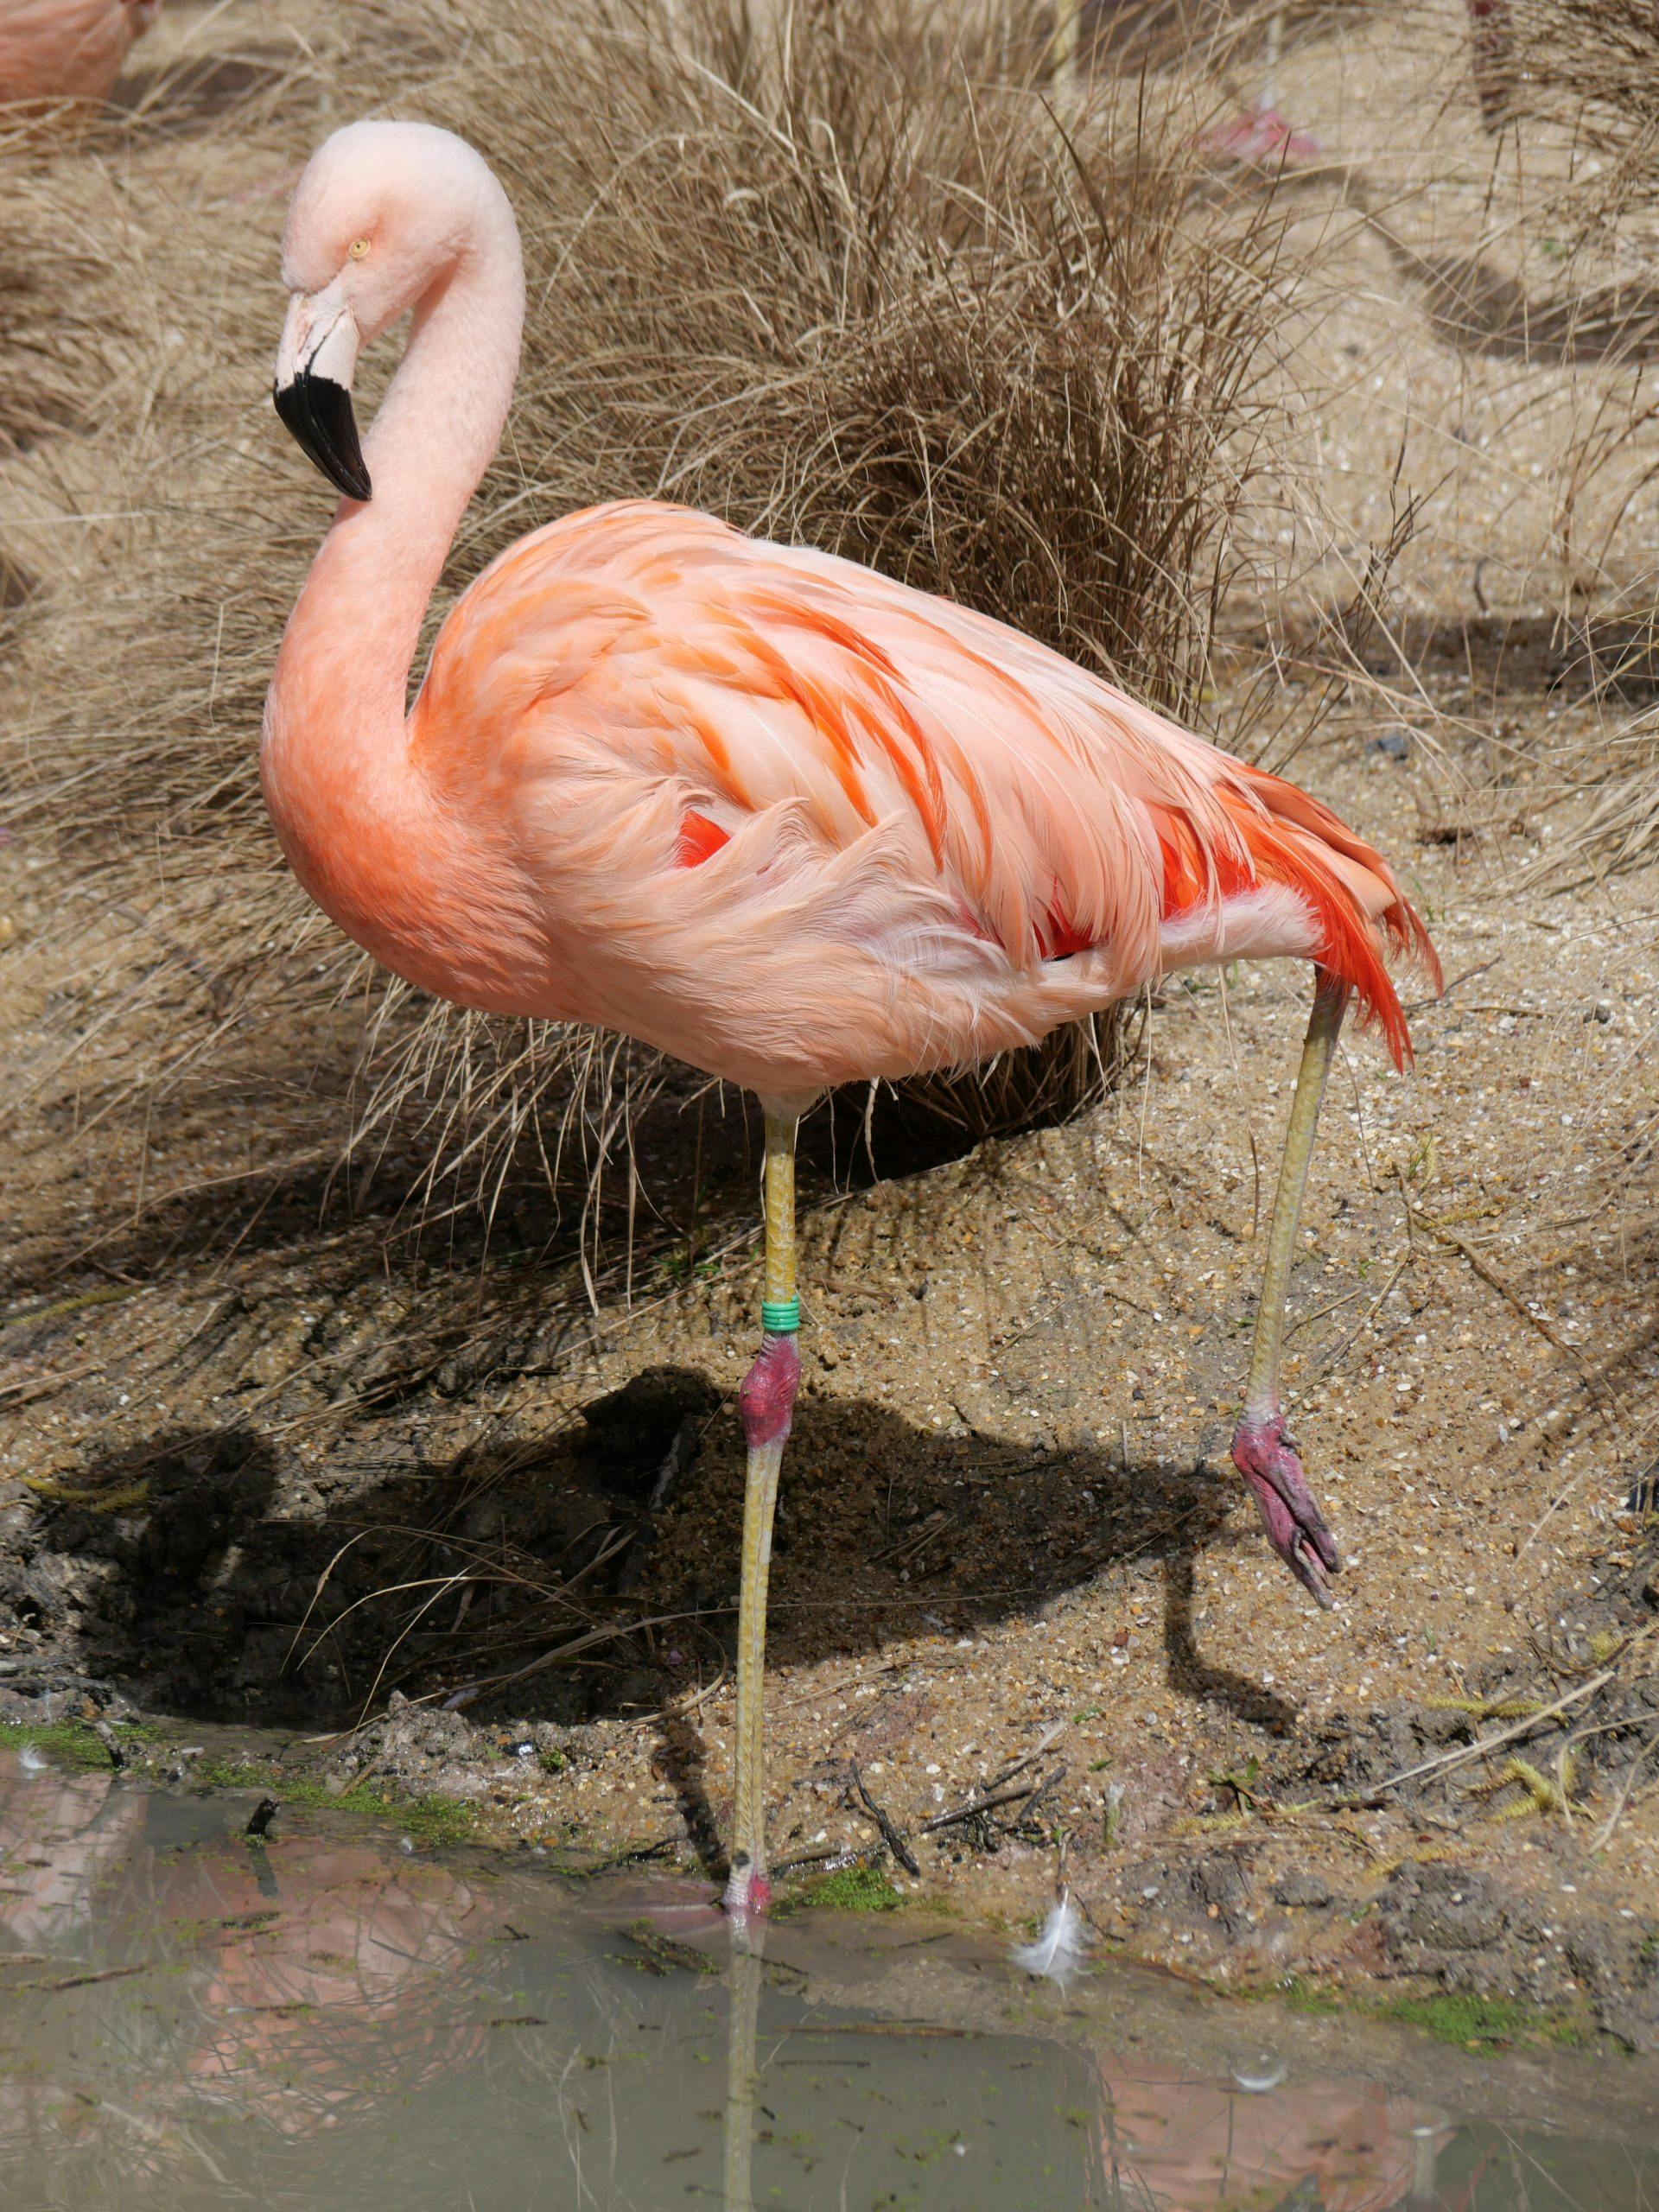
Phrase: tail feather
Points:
(1358, 908)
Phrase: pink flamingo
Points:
(68, 49)
(791, 821)
(1260, 138)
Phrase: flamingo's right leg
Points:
(1263, 1452)
(767, 1402)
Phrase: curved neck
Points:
(343, 670)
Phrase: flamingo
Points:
(762, 808)
(1259, 137)
(68, 49)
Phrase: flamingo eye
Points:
(357, 248)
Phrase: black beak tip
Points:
(317, 413)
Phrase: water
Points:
(188, 2020)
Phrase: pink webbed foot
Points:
(1265, 1456)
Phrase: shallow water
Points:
(332, 2019)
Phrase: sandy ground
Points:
(266, 1452)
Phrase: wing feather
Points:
(1056, 813)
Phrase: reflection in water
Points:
(187, 2020)
(57, 1832)
(1197, 2144)
(743, 1978)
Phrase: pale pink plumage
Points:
(789, 821)
(67, 49)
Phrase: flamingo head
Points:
(384, 214)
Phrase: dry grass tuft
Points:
(838, 277)
(1592, 66)
(65, 267)
(1587, 71)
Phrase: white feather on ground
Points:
(1058, 1953)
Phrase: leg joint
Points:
(767, 1399)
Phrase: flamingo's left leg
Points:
(1262, 1450)
(767, 1404)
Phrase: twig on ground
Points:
(829, 1854)
(1421, 1006)
(1604, 1834)
(1026, 1758)
(890, 1836)
(978, 1805)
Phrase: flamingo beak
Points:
(312, 391)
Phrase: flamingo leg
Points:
(747, 1969)
(767, 1402)
(1263, 1450)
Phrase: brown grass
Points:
(1584, 75)
(65, 332)
(851, 285)
(1592, 65)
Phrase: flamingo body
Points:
(798, 824)
(68, 49)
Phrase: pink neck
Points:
(335, 756)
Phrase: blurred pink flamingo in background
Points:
(68, 49)
(762, 808)
(1259, 137)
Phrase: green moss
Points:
(1307, 1997)
(1457, 2016)
(855, 1889)
(1449, 2016)
(75, 1742)
(433, 1821)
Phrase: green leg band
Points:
(780, 1317)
